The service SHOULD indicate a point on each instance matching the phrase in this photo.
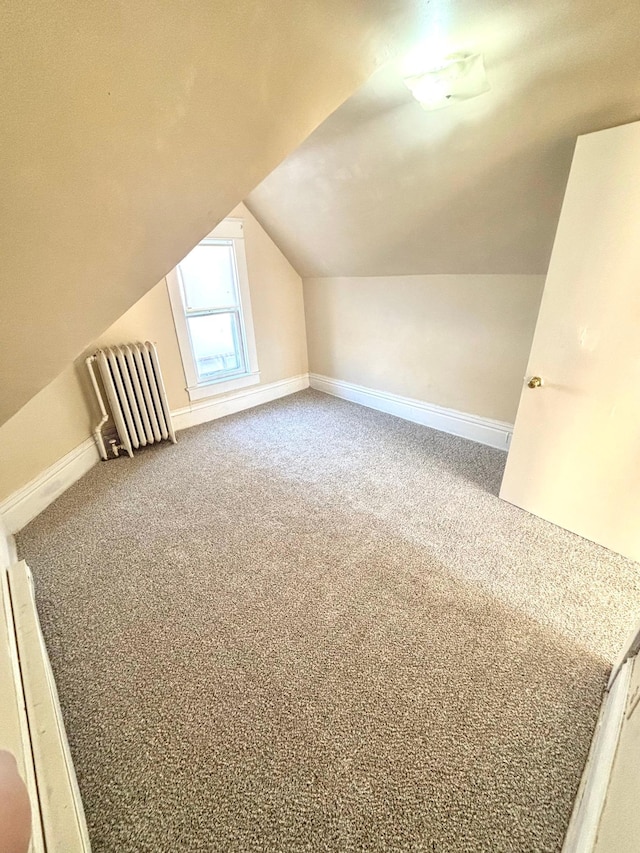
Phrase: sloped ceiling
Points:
(130, 129)
(384, 188)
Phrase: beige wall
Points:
(150, 319)
(51, 424)
(130, 130)
(459, 341)
(61, 416)
(277, 304)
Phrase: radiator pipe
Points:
(97, 432)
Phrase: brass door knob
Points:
(535, 382)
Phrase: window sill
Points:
(222, 386)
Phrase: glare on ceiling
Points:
(455, 78)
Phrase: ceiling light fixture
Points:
(458, 78)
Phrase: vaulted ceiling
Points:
(129, 130)
(383, 187)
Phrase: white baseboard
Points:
(23, 505)
(236, 401)
(483, 430)
(26, 503)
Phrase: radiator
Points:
(132, 381)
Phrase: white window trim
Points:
(228, 229)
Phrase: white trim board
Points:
(473, 427)
(26, 503)
(8, 553)
(57, 805)
(236, 401)
(590, 801)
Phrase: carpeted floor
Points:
(314, 627)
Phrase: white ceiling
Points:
(383, 187)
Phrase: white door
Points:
(575, 452)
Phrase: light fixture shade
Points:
(458, 78)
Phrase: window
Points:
(209, 293)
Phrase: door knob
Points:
(535, 382)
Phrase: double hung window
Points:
(209, 292)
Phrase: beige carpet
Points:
(313, 627)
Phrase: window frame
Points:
(231, 231)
